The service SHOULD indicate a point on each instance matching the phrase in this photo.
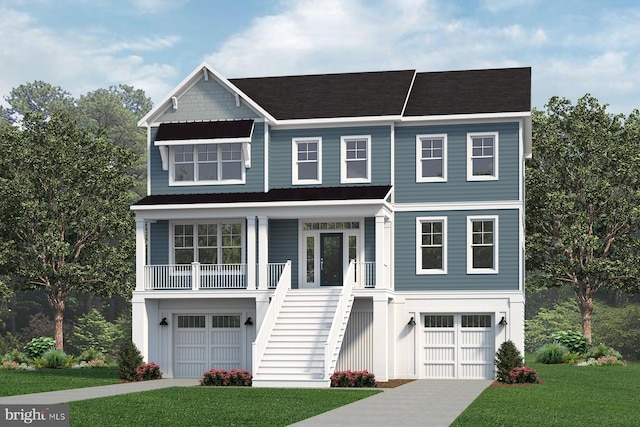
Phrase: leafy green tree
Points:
(93, 331)
(39, 98)
(538, 330)
(65, 207)
(583, 200)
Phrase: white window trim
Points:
(470, 269)
(419, 177)
(195, 223)
(294, 161)
(343, 159)
(470, 175)
(173, 182)
(419, 221)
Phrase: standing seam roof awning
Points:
(203, 132)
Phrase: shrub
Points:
(11, 365)
(562, 316)
(90, 354)
(9, 342)
(523, 375)
(507, 357)
(220, 377)
(15, 356)
(148, 371)
(55, 358)
(602, 350)
(38, 346)
(574, 341)
(604, 361)
(551, 353)
(93, 331)
(353, 379)
(129, 358)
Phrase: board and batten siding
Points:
(159, 243)
(283, 245)
(457, 188)
(280, 173)
(254, 179)
(356, 353)
(369, 239)
(457, 279)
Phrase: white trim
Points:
(419, 140)
(495, 239)
(294, 161)
(419, 221)
(343, 159)
(459, 117)
(243, 167)
(458, 206)
(218, 222)
(470, 175)
(202, 141)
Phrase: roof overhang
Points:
(204, 132)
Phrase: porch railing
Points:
(195, 276)
(274, 272)
(364, 275)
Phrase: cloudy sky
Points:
(573, 46)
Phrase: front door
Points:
(331, 259)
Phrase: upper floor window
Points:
(482, 245)
(207, 164)
(208, 243)
(482, 155)
(431, 158)
(431, 245)
(306, 155)
(355, 159)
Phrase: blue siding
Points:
(159, 243)
(457, 188)
(369, 239)
(457, 278)
(283, 244)
(254, 176)
(280, 154)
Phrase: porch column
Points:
(381, 250)
(140, 325)
(251, 252)
(380, 337)
(141, 253)
(263, 251)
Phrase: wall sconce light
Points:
(248, 322)
(412, 322)
(503, 322)
(163, 322)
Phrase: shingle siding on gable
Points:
(457, 188)
(207, 100)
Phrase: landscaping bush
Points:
(38, 346)
(220, 377)
(604, 361)
(551, 353)
(507, 357)
(602, 350)
(93, 331)
(148, 371)
(129, 358)
(574, 341)
(15, 356)
(523, 375)
(9, 342)
(91, 354)
(353, 379)
(55, 358)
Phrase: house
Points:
(299, 225)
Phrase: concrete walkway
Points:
(430, 403)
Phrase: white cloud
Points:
(502, 5)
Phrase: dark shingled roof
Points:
(377, 192)
(205, 130)
(468, 92)
(330, 95)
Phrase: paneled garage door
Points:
(206, 341)
(458, 346)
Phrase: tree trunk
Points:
(58, 317)
(586, 310)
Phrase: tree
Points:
(65, 207)
(38, 98)
(583, 201)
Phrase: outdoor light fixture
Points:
(411, 322)
(163, 322)
(503, 322)
(248, 322)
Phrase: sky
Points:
(573, 46)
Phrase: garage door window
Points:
(225, 321)
(476, 321)
(438, 321)
(191, 322)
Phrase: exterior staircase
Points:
(296, 351)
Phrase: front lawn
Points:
(26, 382)
(569, 395)
(211, 406)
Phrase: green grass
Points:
(569, 395)
(211, 406)
(41, 380)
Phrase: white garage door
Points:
(458, 346)
(206, 341)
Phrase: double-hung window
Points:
(208, 243)
(431, 245)
(431, 158)
(482, 156)
(482, 245)
(306, 166)
(207, 164)
(355, 159)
